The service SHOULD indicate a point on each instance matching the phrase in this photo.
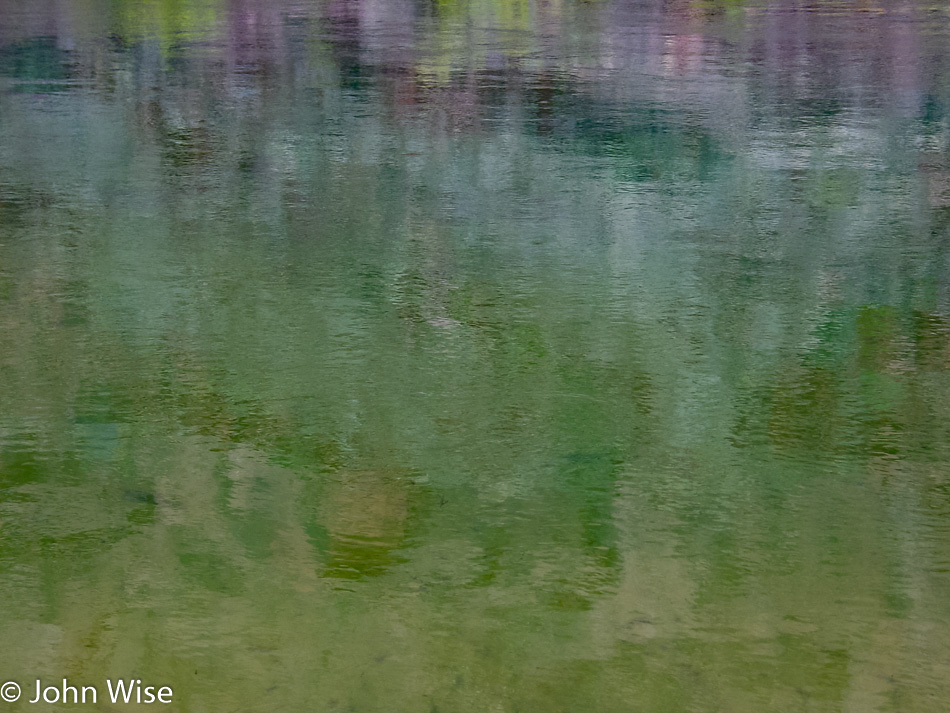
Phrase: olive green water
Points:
(496, 357)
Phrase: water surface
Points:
(535, 356)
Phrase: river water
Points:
(477, 356)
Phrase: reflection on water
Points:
(374, 355)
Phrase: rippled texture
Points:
(535, 356)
